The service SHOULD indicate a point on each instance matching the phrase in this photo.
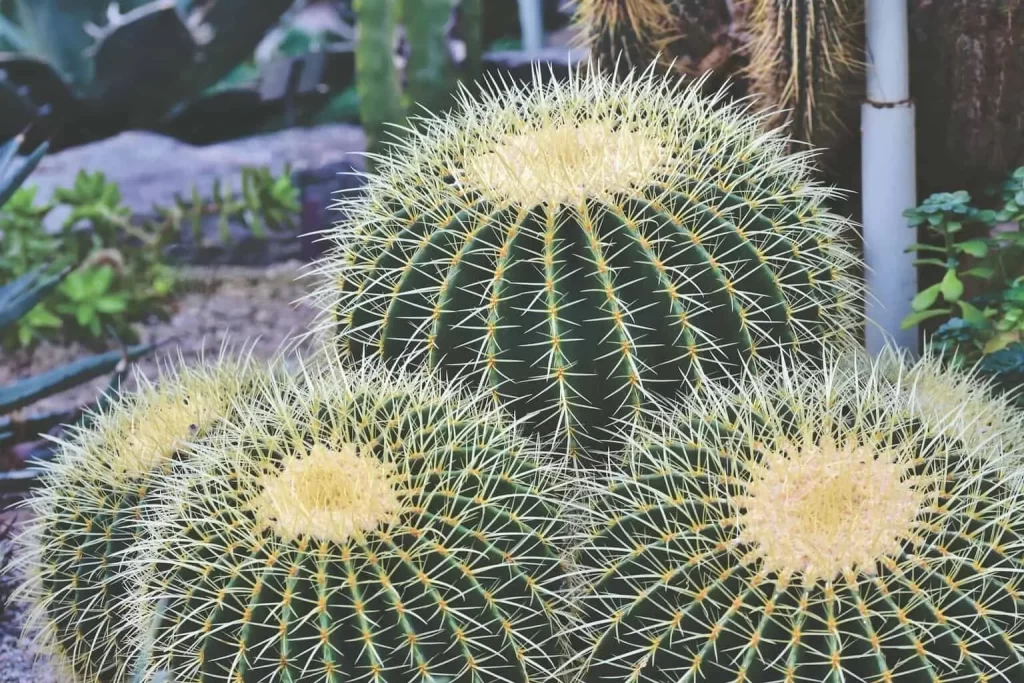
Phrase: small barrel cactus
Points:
(581, 247)
(807, 527)
(355, 525)
(804, 60)
(85, 515)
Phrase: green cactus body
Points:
(809, 527)
(583, 248)
(689, 36)
(86, 514)
(380, 98)
(805, 57)
(428, 72)
(362, 526)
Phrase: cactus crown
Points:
(84, 515)
(582, 246)
(807, 526)
(355, 522)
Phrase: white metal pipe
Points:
(889, 176)
(531, 22)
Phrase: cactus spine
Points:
(805, 56)
(582, 248)
(87, 511)
(807, 527)
(360, 524)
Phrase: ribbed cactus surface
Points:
(359, 525)
(808, 527)
(86, 514)
(581, 247)
(804, 60)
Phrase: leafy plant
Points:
(122, 274)
(973, 253)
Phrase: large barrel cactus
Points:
(808, 527)
(355, 524)
(805, 58)
(86, 512)
(581, 247)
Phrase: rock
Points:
(150, 169)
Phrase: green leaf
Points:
(954, 226)
(983, 272)
(973, 315)
(951, 286)
(925, 298)
(916, 318)
(978, 248)
(110, 305)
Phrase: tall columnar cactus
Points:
(580, 248)
(688, 36)
(380, 95)
(804, 60)
(807, 527)
(358, 525)
(87, 511)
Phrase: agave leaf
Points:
(10, 185)
(22, 295)
(23, 393)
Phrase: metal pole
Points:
(531, 22)
(889, 175)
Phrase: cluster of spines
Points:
(726, 232)
(463, 581)
(805, 56)
(85, 516)
(673, 590)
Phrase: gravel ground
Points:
(240, 304)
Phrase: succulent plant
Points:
(356, 524)
(144, 60)
(685, 36)
(86, 512)
(804, 59)
(808, 526)
(17, 299)
(579, 248)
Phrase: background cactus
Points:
(685, 36)
(87, 511)
(807, 527)
(357, 524)
(805, 56)
(579, 248)
(428, 75)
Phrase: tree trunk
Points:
(967, 77)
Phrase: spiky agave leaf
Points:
(580, 247)
(807, 527)
(805, 58)
(84, 517)
(686, 36)
(361, 524)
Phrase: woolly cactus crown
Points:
(85, 513)
(356, 524)
(580, 247)
(806, 527)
